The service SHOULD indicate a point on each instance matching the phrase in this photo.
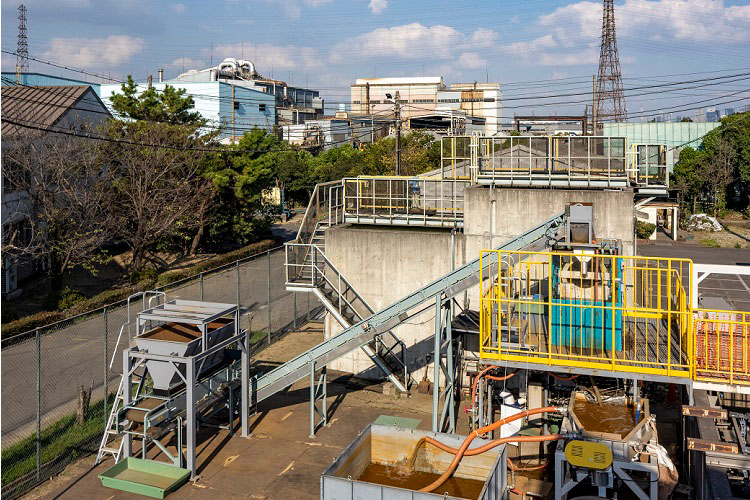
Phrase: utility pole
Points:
(398, 134)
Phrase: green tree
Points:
(239, 175)
(169, 105)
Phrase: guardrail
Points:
(404, 201)
(610, 313)
(565, 161)
(722, 346)
(604, 312)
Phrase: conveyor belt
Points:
(359, 334)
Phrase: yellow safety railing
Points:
(722, 346)
(606, 312)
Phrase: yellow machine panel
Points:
(588, 454)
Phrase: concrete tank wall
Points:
(385, 264)
(517, 210)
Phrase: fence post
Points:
(38, 405)
(237, 267)
(269, 297)
(106, 367)
(201, 287)
(308, 307)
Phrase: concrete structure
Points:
(235, 109)
(386, 263)
(73, 108)
(428, 96)
(293, 105)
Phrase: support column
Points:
(436, 366)
(191, 420)
(245, 403)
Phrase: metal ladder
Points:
(111, 429)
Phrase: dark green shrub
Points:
(644, 229)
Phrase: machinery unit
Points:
(363, 470)
(609, 448)
(187, 362)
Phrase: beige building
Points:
(429, 96)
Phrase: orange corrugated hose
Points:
(516, 468)
(461, 451)
(490, 377)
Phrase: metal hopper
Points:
(183, 328)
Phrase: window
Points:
(262, 108)
(236, 105)
(423, 101)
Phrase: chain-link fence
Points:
(45, 371)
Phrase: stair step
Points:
(113, 451)
(112, 432)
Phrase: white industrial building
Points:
(422, 97)
(293, 104)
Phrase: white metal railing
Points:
(404, 200)
(569, 161)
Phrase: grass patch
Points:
(61, 439)
(710, 243)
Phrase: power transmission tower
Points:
(22, 52)
(610, 99)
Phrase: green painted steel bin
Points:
(144, 477)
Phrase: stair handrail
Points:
(339, 275)
(310, 219)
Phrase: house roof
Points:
(39, 106)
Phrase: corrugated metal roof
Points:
(38, 106)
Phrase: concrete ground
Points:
(735, 289)
(279, 459)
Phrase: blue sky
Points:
(326, 44)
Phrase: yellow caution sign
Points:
(588, 454)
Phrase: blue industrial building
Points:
(234, 109)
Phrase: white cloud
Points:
(526, 49)
(471, 60)
(483, 38)
(378, 6)
(280, 57)
(93, 52)
(694, 20)
(178, 8)
(412, 41)
(187, 63)
(317, 3)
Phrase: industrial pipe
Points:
(495, 425)
(490, 377)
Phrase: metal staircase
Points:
(316, 274)
(363, 332)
